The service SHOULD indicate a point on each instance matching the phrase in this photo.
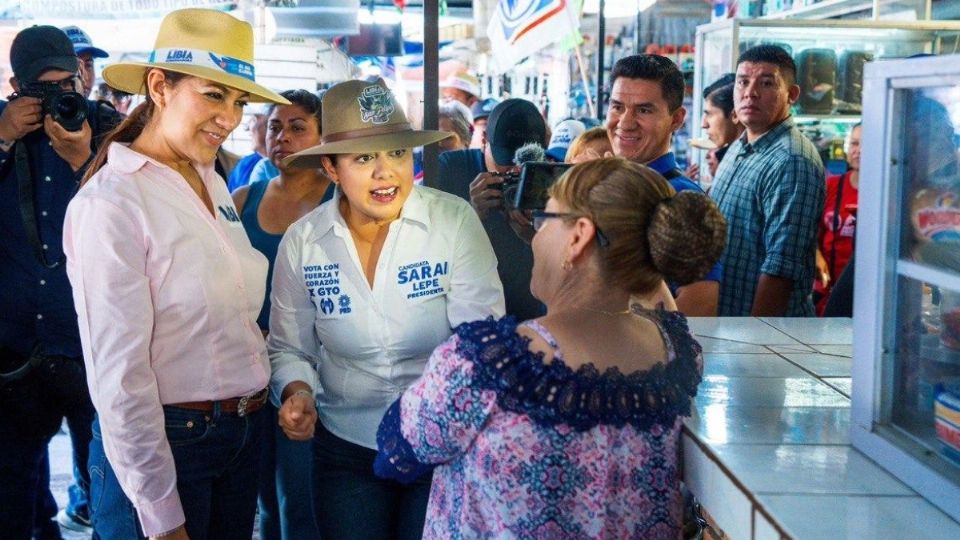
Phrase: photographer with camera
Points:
(46, 143)
(477, 175)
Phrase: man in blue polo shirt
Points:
(645, 109)
(41, 368)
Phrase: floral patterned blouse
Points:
(526, 449)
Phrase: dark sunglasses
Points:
(540, 217)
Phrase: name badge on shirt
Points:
(422, 279)
(229, 213)
(323, 283)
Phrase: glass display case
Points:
(830, 57)
(906, 376)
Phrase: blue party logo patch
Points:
(345, 304)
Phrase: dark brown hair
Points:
(131, 127)
(653, 232)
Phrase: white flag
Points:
(519, 28)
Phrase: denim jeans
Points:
(216, 456)
(352, 503)
(286, 482)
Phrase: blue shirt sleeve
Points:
(795, 195)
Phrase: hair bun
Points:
(687, 235)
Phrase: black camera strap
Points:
(28, 211)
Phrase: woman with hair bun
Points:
(569, 425)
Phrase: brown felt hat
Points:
(361, 116)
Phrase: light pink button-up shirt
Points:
(167, 297)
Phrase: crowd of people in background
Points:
(308, 327)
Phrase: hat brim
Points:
(456, 87)
(310, 158)
(33, 70)
(558, 153)
(94, 51)
(503, 156)
(128, 77)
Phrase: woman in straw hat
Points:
(568, 425)
(364, 288)
(167, 289)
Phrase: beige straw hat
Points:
(360, 116)
(204, 43)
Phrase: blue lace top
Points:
(524, 448)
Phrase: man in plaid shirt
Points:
(770, 188)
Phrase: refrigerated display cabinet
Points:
(906, 374)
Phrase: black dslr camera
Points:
(69, 109)
(528, 188)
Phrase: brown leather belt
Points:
(241, 406)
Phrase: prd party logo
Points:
(517, 17)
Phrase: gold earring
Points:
(567, 265)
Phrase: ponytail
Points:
(131, 127)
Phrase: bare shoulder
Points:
(240, 197)
(537, 342)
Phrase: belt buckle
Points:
(245, 402)
(242, 406)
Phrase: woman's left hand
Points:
(298, 414)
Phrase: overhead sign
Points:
(113, 9)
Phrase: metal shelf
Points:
(837, 8)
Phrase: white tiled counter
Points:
(767, 450)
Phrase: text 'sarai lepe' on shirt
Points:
(423, 278)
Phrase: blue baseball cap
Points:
(82, 42)
(563, 135)
(482, 109)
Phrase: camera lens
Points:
(69, 109)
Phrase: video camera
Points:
(67, 108)
(528, 189)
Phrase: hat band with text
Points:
(201, 58)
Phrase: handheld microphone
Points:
(529, 152)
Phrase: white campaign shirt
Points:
(167, 297)
(360, 347)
